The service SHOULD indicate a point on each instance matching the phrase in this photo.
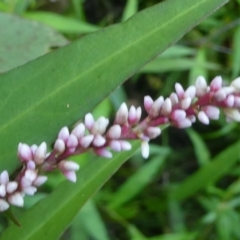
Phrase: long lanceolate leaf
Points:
(59, 88)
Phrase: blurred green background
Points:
(189, 187)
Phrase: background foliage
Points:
(189, 188)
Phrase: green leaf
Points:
(130, 9)
(236, 53)
(209, 173)
(61, 23)
(24, 40)
(176, 64)
(57, 89)
(138, 181)
(87, 218)
(60, 207)
(201, 151)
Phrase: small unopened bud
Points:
(99, 141)
(3, 205)
(89, 121)
(4, 177)
(72, 141)
(24, 152)
(145, 149)
(39, 180)
(179, 90)
(201, 86)
(190, 92)
(216, 83)
(16, 199)
(153, 132)
(114, 132)
(186, 103)
(67, 165)
(64, 134)
(148, 102)
(122, 114)
(115, 145)
(59, 146)
(40, 153)
(166, 107)
(202, 116)
(236, 84)
(103, 152)
(79, 130)
(212, 112)
(86, 141)
(71, 176)
(11, 187)
(99, 127)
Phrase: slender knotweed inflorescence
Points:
(180, 110)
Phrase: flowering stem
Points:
(180, 109)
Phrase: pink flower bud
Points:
(16, 199)
(186, 103)
(59, 146)
(236, 84)
(115, 145)
(138, 114)
(237, 101)
(79, 130)
(24, 152)
(202, 117)
(166, 107)
(67, 165)
(3, 205)
(148, 102)
(122, 114)
(125, 146)
(64, 134)
(72, 141)
(184, 123)
(132, 116)
(86, 141)
(71, 176)
(103, 152)
(229, 101)
(11, 187)
(232, 113)
(190, 92)
(31, 165)
(220, 95)
(114, 132)
(39, 180)
(178, 115)
(30, 190)
(2, 191)
(153, 132)
(99, 141)
(212, 112)
(216, 83)
(89, 121)
(99, 127)
(30, 175)
(145, 149)
(33, 148)
(40, 153)
(174, 98)
(156, 106)
(179, 90)
(201, 86)
(4, 177)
